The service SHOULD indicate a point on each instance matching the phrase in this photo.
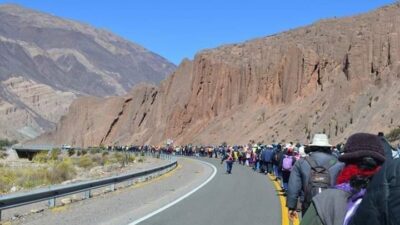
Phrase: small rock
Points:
(13, 189)
(16, 216)
(66, 201)
(107, 190)
(70, 181)
(37, 210)
(75, 198)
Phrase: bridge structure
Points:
(29, 151)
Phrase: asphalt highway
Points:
(203, 196)
(243, 197)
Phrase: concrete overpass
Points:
(29, 151)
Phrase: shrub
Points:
(29, 178)
(98, 160)
(41, 157)
(102, 147)
(119, 156)
(55, 153)
(84, 152)
(393, 135)
(71, 152)
(108, 160)
(7, 178)
(6, 143)
(131, 158)
(85, 162)
(105, 154)
(94, 150)
(61, 171)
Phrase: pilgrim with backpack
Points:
(363, 156)
(312, 174)
(287, 165)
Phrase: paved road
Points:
(243, 197)
(126, 205)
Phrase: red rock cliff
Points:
(336, 76)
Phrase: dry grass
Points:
(56, 167)
(3, 154)
(393, 135)
(29, 177)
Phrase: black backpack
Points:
(319, 180)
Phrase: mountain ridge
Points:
(47, 62)
(337, 76)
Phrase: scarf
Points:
(343, 183)
(351, 170)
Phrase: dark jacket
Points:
(388, 148)
(301, 172)
(267, 154)
(381, 204)
(275, 157)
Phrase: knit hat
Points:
(361, 145)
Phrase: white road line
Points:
(179, 199)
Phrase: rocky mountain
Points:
(46, 62)
(336, 76)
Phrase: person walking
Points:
(276, 161)
(312, 174)
(229, 158)
(380, 204)
(267, 155)
(363, 156)
(287, 165)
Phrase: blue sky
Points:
(179, 29)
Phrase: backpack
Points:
(287, 163)
(319, 180)
(275, 157)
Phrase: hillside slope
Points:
(336, 76)
(47, 61)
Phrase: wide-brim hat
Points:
(320, 140)
(362, 145)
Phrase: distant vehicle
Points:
(66, 147)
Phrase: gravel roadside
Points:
(23, 211)
(128, 204)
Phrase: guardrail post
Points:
(52, 202)
(88, 194)
(112, 187)
(0, 215)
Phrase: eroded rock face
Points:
(336, 76)
(68, 57)
(28, 108)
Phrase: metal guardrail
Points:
(51, 193)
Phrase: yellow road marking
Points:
(284, 210)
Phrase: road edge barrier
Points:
(51, 193)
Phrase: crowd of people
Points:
(355, 183)
(333, 184)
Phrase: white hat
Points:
(320, 140)
(302, 151)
